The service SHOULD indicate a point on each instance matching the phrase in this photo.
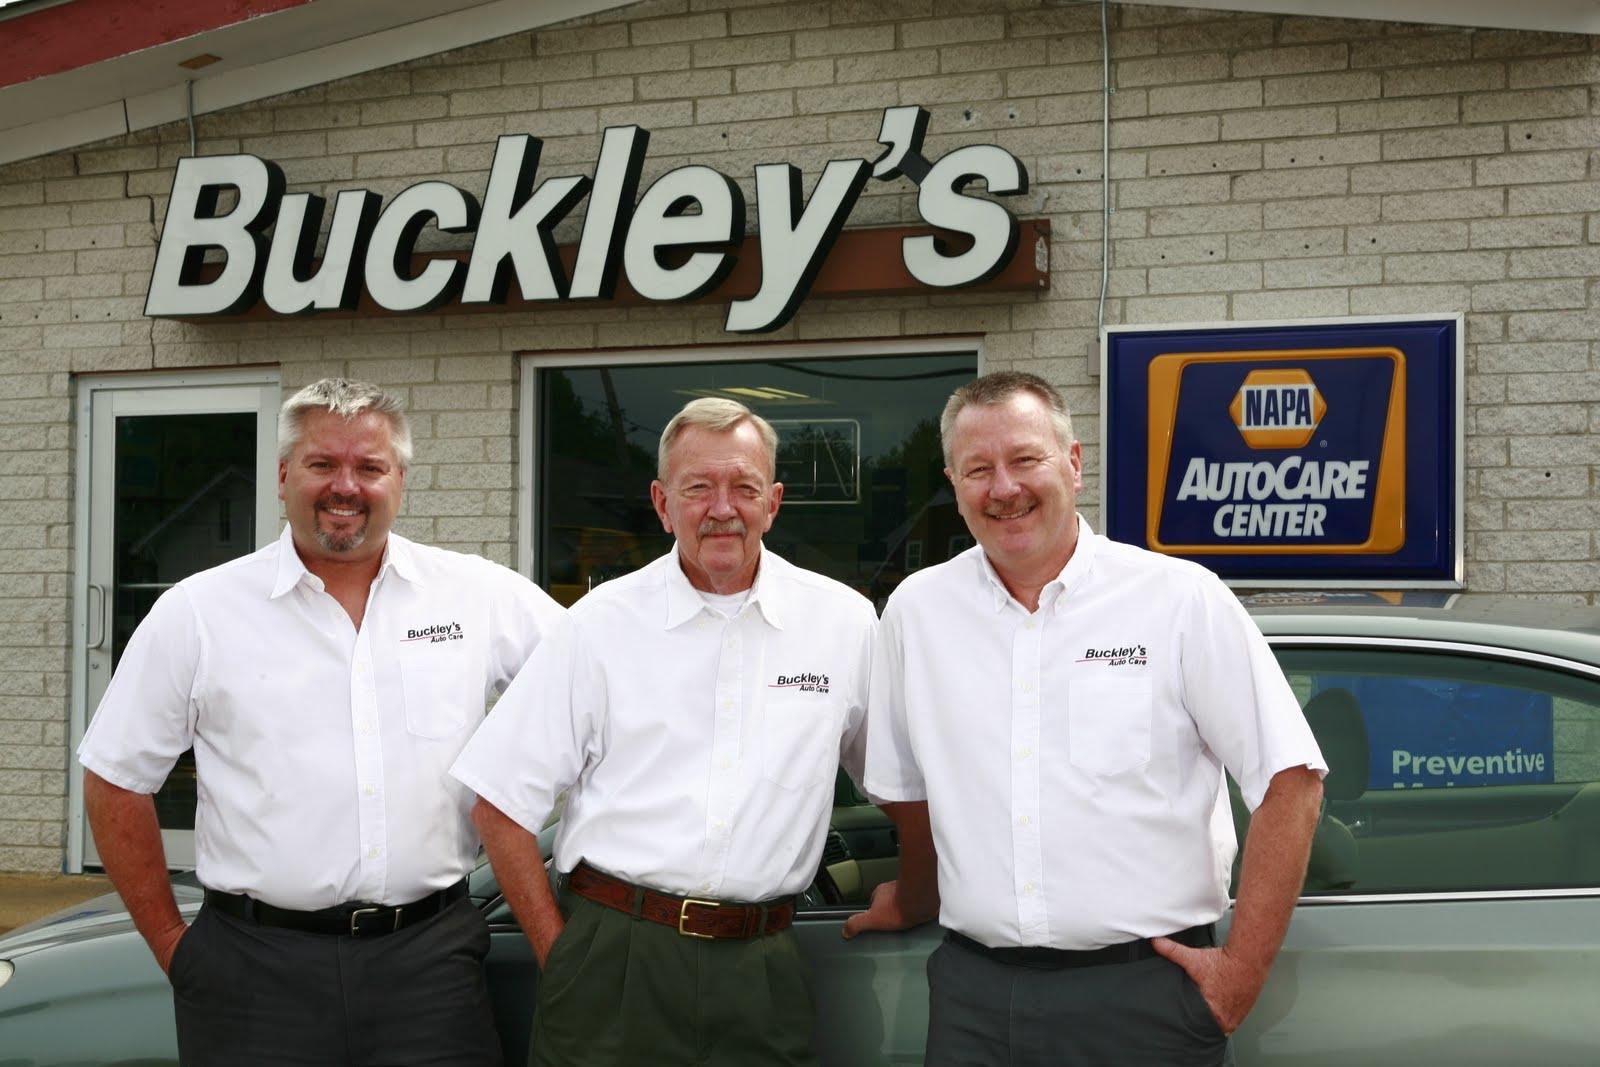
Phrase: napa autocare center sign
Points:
(1314, 453)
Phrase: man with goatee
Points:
(325, 683)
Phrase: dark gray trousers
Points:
(261, 996)
(987, 1013)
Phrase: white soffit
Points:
(1551, 16)
(263, 57)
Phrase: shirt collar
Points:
(1071, 575)
(401, 555)
(291, 570)
(684, 601)
(398, 553)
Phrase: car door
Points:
(1452, 907)
(1453, 916)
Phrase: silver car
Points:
(1451, 913)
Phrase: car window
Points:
(1449, 772)
(861, 851)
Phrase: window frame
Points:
(1521, 657)
(529, 364)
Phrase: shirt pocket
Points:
(799, 739)
(443, 688)
(1108, 724)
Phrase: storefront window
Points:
(865, 499)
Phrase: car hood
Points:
(89, 919)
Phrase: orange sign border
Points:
(1387, 533)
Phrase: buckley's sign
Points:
(677, 242)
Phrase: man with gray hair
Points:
(1059, 709)
(695, 712)
(325, 683)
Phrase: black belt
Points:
(1057, 958)
(356, 919)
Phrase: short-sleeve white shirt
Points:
(698, 752)
(320, 751)
(1072, 757)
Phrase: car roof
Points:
(1568, 631)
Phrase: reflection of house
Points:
(213, 525)
(934, 534)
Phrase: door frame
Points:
(266, 381)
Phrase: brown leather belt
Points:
(690, 916)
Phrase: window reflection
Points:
(865, 498)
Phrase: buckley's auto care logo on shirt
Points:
(804, 682)
(1277, 452)
(435, 633)
(1124, 656)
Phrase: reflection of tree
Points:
(572, 430)
(920, 456)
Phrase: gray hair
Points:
(346, 399)
(720, 415)
(997, 388)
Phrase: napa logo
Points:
(1278, 408)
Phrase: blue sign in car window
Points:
(1426, 733)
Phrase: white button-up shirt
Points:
(320, 750)
(1072, 757)
(700, 751)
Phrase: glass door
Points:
(180, 475)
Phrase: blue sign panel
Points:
(1310, 453)
(1429, 734)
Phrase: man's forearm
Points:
(919, 864)
(127, 836)
(1276, 848)
(519, 868)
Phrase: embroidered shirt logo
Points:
(434, 633)
(1135, 655)
(805, 683)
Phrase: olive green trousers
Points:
(627, 992)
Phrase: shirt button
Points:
(1029, 625)
(1027, 687)
(369, 791)
(719, 824)
(725, 763)
(366, 727)
(1027, 889)
(1024, 821)
(705, 887)
(372, 853)
(727, 705)
(1024, 752)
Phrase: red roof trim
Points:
(84, 32)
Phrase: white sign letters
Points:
(679, 241)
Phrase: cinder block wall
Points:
(1262, 167)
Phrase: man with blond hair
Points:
(1060, 708)
(695, 712)
(325, 683)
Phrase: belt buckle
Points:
(355, 919)
(683, 916)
